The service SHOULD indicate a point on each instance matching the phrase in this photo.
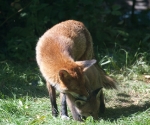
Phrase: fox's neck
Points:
(57, 63)
(53, 77)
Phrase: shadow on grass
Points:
(22, 90)
(21, 80)
(113, 114)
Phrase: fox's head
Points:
(94, 106)
(74, 81)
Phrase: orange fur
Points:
(60, 48)
(64, 55)
(93, 106)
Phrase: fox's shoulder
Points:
(67, 27)
(72, 23)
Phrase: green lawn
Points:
(24, 99)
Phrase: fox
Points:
(94, 106)
(64, 53)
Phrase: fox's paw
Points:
(64, 117)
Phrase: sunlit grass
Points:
(24, 98)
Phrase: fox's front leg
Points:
(52, 95)
(64, 113)
(72, 108)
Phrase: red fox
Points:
(61, 53)
(64, 53)
(93, 106)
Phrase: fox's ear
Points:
(86, 63)
(98, 96)
(63, 74)
(97, 93)
(79, 103)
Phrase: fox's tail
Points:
(107, 81)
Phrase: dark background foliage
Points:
(113, 24)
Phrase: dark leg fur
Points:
(63, 105)
(102, 103)
(52, 95)
(76, 116)
(74, 113)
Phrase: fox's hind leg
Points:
(102, 103)
(52, 95)
(64, 113)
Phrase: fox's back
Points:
(59, 48)
(69, 39)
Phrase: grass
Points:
(24, 98)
